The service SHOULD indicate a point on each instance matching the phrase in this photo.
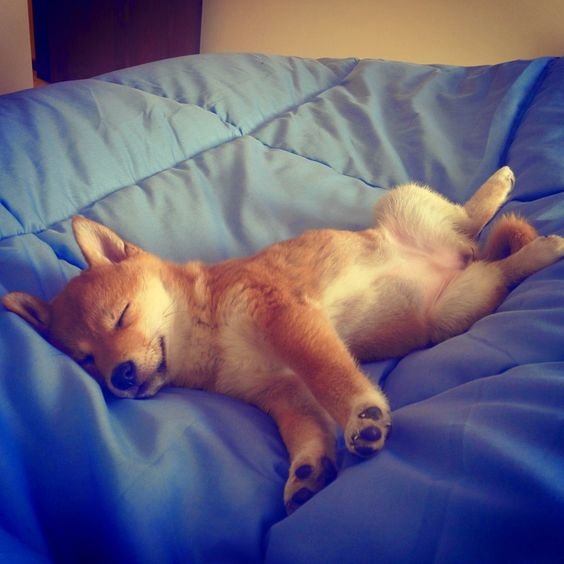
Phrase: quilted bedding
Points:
(215, 156)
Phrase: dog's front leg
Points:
(304, 339)
(308, 433)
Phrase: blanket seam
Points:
(307, 99)
(238, 134)
(339, 80)
(311, 159)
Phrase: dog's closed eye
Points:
(121, 320)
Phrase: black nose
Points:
(124, 375)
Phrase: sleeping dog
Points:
(284, 329)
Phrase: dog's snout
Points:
(124, 375)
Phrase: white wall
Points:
(15, 48)
(464, 32)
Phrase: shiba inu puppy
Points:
(284, 329)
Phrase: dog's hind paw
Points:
(506, 175)
(307, 477)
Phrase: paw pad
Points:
(301, 496)
(304, 472)
(367, 431)
(307, 480)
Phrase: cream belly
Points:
(403, 281)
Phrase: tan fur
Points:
(284, 329)
(507, 236)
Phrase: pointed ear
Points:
(99, 244)
(35, 311)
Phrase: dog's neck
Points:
(192, 350)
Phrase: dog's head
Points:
(114, 319)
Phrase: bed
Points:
(214, 156)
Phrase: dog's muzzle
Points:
(124, 376)
(125, 381)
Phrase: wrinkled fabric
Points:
(214, 156)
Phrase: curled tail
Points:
(509, 234)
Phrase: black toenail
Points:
(364, 451)
(329, 470)
(371, 434)
(301, 496)
(371, 413)
(304, 471)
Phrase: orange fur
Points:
(509, 234)
(284, 329)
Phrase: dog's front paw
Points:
(368, 429)
(307, 477)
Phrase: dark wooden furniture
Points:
(83, 38)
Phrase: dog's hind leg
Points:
(487, 200)
(534, 256)
(308, 433)
(479, 289)
(474, 293)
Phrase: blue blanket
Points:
(210, 157)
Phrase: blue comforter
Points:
(210, 157)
